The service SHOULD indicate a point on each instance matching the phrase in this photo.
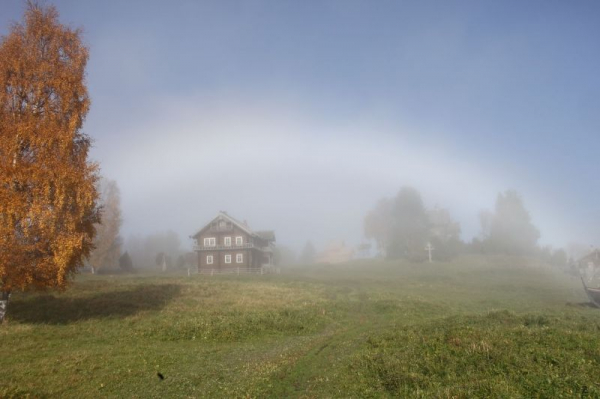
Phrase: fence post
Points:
(261, 270)
(238, 271)
(212, 271)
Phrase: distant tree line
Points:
(160, 250)
(508, 229)
(402, 227)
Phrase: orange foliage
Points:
(48, 199)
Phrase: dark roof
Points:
(268, 235)
(265, 235)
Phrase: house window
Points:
(210, 242)
(239, 240)
(227, 241)
(239, 258)
(209, 259)
(227, 258)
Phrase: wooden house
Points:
(226, 244)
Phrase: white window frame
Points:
(210, 242)
(227, 258)
(227, 241)
(209, 259)
(239, 258)
(239, 240)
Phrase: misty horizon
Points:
(302, 127)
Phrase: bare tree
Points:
(107, 242)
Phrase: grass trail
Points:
(476, 327)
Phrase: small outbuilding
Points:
(336, 252)
(589, 266)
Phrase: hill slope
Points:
(472, 327)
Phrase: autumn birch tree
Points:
(48, 199)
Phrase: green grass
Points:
(475, 327)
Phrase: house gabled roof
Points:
(223, 215)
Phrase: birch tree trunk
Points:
(3, 304)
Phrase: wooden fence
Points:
(240, 270)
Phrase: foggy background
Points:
(299, 116)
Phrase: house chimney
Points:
(245, 223)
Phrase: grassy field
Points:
(475, 327)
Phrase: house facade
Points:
(228, 244)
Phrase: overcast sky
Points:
(299, 115)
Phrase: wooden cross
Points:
(429, 248)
